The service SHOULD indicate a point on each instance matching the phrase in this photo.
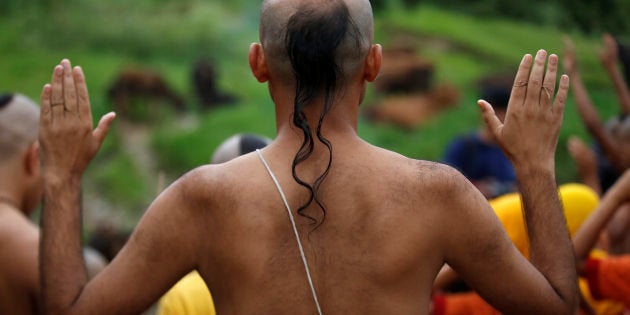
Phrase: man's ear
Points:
(257, 63)
(31, 160)
(373, 63)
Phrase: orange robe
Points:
(609, 278)
(461, 304)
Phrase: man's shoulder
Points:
(212, 180)
(426, 176)
(438, 176)
(17, 228)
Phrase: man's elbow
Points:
(568, 305)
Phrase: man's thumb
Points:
(489, 116)
(103, 127)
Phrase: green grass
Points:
(476, 47)
(168, 36)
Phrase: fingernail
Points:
(58, 70)
(481, 104)
(553, 60)
(541, 54)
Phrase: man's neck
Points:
(340, 121)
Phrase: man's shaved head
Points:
(278, 15)
(19, 123)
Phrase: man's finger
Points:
(45, 114)
(517, 97)
(549, 85)
(535, 83)
(103, 128)
(69, 90)
(83, 98)
(491, 119)
(56, 99)
(561, 97)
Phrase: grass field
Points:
(169, 36)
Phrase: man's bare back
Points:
(377, 244)
(385, 224)
(19, 280)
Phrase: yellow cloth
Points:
(189, 296)
(578, 202)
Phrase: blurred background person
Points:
(601, 167)
(20, 194)
(612, 139)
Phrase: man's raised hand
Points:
(67, 140)
(609, 55)
(529, 135)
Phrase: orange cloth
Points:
(609, 278)
(473, 304)
(462, 304)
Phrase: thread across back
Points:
(295, 231)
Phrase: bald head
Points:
(316, 20)
(19, 123)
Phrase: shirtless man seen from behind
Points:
(20, 193)
(378, 226)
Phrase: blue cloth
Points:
(481, 161)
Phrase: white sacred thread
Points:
(297, 235)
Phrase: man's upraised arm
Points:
(586, 108)
(157, 253)
(65, 133)
(613, 201)
(610, 59)
(482, 253)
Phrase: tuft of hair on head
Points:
(19, 124)
(316, 50)
(348, 23)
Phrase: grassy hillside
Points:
(168, 36)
